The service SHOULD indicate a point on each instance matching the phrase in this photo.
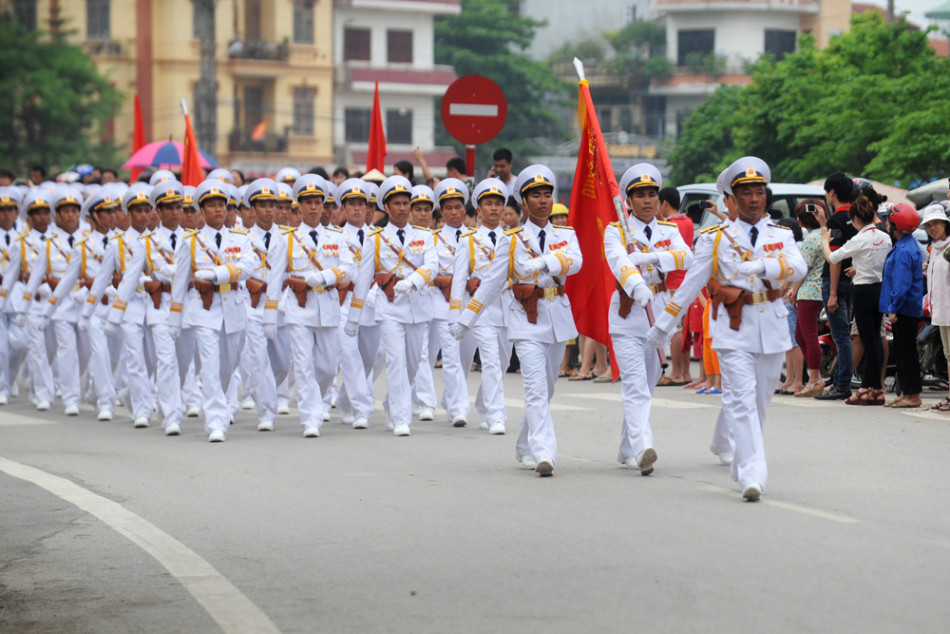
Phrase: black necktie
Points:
(7, 239)
(491, 234)
(217, 239)
(42, 237)
(458, 234)
(267, 240)
(70, 241)
(313, 236)
(541, 240)
(174, 239)
(753, 234)
(105, 242)
(360, 234)
(648, 232)
(402, 236)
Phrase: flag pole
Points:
(624, 220)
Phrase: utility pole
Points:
(206, 110)
(890, 11)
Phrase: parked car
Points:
(786, 197)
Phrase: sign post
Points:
(474, 110)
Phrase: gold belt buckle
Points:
(760, 297)
(655, 288)
(77, 286)
(224, 288)
(139, 289)
(550, 291)
(318, 289)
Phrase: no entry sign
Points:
(474, 109)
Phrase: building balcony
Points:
(395, 79)
(434, 7)
(104, 48)
(693, 6)
(687, 81)
(257, 58)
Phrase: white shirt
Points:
(867, 251)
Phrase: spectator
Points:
(430, 180)
(902, 291)
(319, 171)
(404, 168)
(806, 295)
(935, 221)
(836, 286)
(6, 177)
(794, 355)
(237, 176)
(511, 216)
(501, 167)
(340, 174)
(37, 175)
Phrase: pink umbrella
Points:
(165, 154)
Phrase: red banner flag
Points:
(191, 172)
(376, 153)
(592, 209)
(259, 131)
(138, 137)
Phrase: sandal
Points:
(863, 396)
(604, 378)
(942, 406)
(581, 377)
(811, 390)
(664, 380)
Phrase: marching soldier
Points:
(640, 252)
(13, 346)
(540, 257)
(473, 259)
(744, 263)
(310, 260)
(404, 261)
(206, 297)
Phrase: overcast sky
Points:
(917, 8)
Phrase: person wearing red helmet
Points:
(902, 297)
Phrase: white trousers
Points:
(722, 440)
(404, 347)
(358, 354)
(72, 353)
(494, 350)
(748, 382)
(167, 375)
(14, 345)
(540, 363)
(100, 364)
(314, 350)
(423, 387)
(38, 363)
(639, 371)
(454, 386)
(218, 354)
(136, 342)
(257, 372)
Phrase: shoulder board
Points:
(615, 224)
(287, 227)
(511, 232)
(287, 230)
(467, 233)
(333, 228)
(23, 235)
(422, 228)
(436, 231)
(563, 227)
(374, 231)
(191, 232)
(243, 232)
(146, 235)
(86, 232)
(666, 222)
(119, 235)
(80, 241)
(772, 224)
(711, 229)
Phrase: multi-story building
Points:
(274, 71)
(389, 42)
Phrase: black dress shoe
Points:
(834, 394)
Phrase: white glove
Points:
(80, 296)
(165, 274)
(641, 294)
(83, 324)
(42, 322)
(270, 331)
(204, 275)
(315, 278)
(535, 265)
(44, 291)
(643, 259)
(351, 328)
(402, 287)
(111, 329)
(3, 302)
(20, 320)
(111, 292)
(459, 331)
(657, 338)
(755, 267)
(174, 332)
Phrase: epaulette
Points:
(467, 233)
(772, 224)
(286, 230)
(564, 227)
(712, 228)
(422, 228)
(191, 232)
(80, 241)
(146, 235)
(511, 232)
(23, 235)
(374, 231)
(436, 231)
(242, 232)
(666, 222)
(616, 223)
(287, 227)
(333, 228)
(116, 236)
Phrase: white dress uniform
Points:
(473, 259)
(409, 254)
(539, 339)
(640, 258)
(751, 354)
(228, 258)
(13, 340)
(319, 258)
(358, 354)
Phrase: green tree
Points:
(55, 103)
(486, 38)
(869, 104)
(706, 138)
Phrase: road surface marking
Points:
(473, 110)
(834, 517)
(231, 610)
(14, 420)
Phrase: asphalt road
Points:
(106, 528)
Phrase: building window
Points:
(25, 13)
(780, 43)
(303, 111)
(399, 47)
(357, 124)
(97, 19)
(399, 126)
(630, 13)
(303, 21)
(694, 45)
(356, 45)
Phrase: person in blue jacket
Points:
(902, 300)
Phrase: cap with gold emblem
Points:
(745, 171)
(449, 188)
(640, 175)
(287, 175)
(137, 194)
(160, 176)
(261, 189)
(352, 188)
(167, 192)
(422, 194)
(490, 187)
(310, 185)
(532, 177)
(223, 175)
(209, 190)
(392, 186)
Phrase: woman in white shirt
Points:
(867, 250)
